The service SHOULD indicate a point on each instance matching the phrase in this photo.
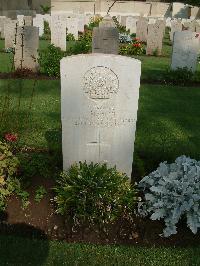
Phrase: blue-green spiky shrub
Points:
(172, 192)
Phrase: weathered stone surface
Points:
(131, 24)
(141, 29)
(26, 48)
(186, 46)
(107, 22)
(2, 22)
(38, 21)
(155, 37)
(28, 20)
(20, 20)
(72, 26)
(99, 105)
(10, 29)
(105, 40)
(58, 31)
(176, 25)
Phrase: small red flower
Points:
(10, 137)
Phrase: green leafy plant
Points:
(49, 61)
(40, 193)
(83, 45)
(45, 9)
(180, 76)
(94, 22)
(35, 164)
(24, 195)
(47, 32)
(70, 37)
(172, 192)
(8, 170)
(93, 194)
(121, 28)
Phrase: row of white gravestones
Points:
(141, 29)
(155, 37)
(99, 109)
(26, 48)
(186, 46)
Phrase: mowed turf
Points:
(168, 118)
(21, 251)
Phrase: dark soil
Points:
(40, 221)
(25, 75)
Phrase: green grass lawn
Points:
(21, 251)
(168, 118)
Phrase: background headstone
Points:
(26, 48)
(99, 109)
(186, 46)
(28, 20)
(155, 37)
(72, 27)
(58, 31)
(141, 29)
(176, 25)
(10, 29)
(131, 24)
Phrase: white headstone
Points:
(72, 27)
(141, 29)
(99, 105)
(186, 47)
(176, 25)
(28, 20)
(155, 37)
(26, 48)
(20, 20)
(131, 23)
(58, 31)
(38, 21)
(10, 29)
(2, 22)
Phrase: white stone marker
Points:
(176, 25)
(186, 46)
(38, 21)
(2, 22)
(155, 37)
(20, 20)
(10, 29)
(72, 27)
(58, 31)
(28, 20)
(131, 23)
(26, 48)
(141, 29)
(99, 105)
